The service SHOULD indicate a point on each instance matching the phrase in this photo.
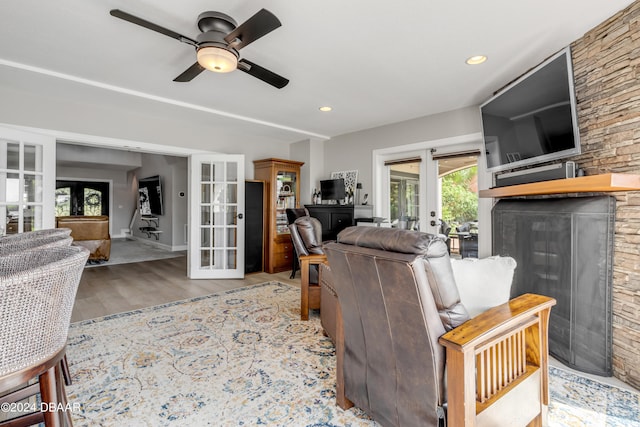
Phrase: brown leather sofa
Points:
(92, 232)
(399, 320)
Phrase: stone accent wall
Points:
(606, 66)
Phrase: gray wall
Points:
(180, 205)
(173, 177)
(353, 151)
(311, 152)
(122, 200)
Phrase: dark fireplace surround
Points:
(564, 249)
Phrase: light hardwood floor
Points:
(124, 287)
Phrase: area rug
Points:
(243, 358)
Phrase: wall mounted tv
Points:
(332, 189)
(533, 120)
(150, 196)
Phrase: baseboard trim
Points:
(152, 243)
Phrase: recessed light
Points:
(475, 60)
(325, 109)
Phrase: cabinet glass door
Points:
(285, 199)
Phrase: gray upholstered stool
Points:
(38, 289)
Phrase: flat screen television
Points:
(332, 189)
(533, 120)
(150, 196)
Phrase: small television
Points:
(532, 120)
(150, 196)
(332, 189)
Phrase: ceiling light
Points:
(217, 59)
(475, 60)
(325, 109)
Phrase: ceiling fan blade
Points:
(262, 73)
(260, 24)
(151, 26)
(190, 73)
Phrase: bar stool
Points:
(11, 246)
(38, 289)
(49, 238)
(49, 232)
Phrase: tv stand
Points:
(334, 218)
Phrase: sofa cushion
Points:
(483, 283)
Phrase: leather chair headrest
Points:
(310, 231)
(394, 240)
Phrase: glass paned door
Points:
(404, 195)
(87, 198)
(27, 171)
(216, 206)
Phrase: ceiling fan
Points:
(218, 43)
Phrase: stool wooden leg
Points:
(66, 373)
(48, 395)
(62, 396)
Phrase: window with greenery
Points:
(459, 196)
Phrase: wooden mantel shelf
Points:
(585, 184)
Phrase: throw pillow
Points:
(483, 283)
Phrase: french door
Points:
(82, 198)
(27, 181)
(216, 216)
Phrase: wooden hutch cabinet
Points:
(282, 179)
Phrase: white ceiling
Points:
(375, 62)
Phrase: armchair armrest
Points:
(307, 298)
(313, 259)
(498, 355)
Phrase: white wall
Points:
(44, 102)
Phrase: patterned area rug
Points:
(243, 358)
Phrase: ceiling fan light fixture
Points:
(217, 59)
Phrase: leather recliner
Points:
(306, 235)
(292, 215)
(399, 320)
(92, 232)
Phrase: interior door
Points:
(216, 216)
(27, 181)
(82, 198)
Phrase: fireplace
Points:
(564, 249)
